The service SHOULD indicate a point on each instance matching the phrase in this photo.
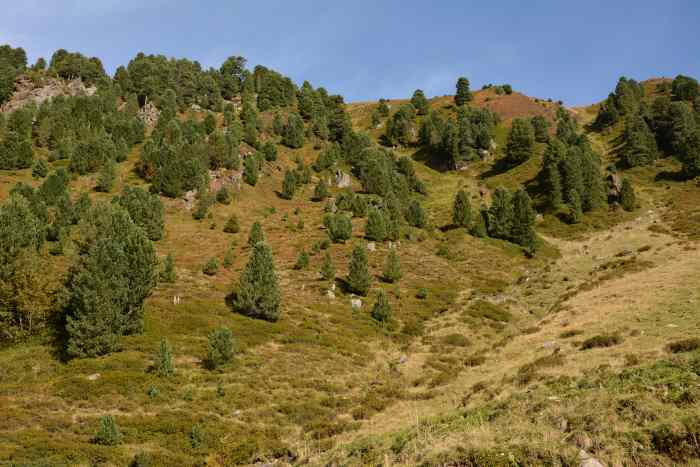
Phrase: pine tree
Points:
(108, 434)
(293, 135)
(575, 208)
(550, 176)
(269, 150)
(420, 102)
(359, 278)
(278, 124)
(338, 226)
(479, 228)
(463, 94)
(461, 210)
(40, 169)
(209, 123)
(628, 199)
(321, 190)
(327, 269)
(145, 209)
(381, 311)
(289, 185)
(223, 195)
(415, 215)
(250, 170)
(540, 126)
(690, 154)
(107, 176)
(521, 142)
(163, 361)
(392, 268)
(500, 214)
(302, 261)
(258, 294)
(220, 348)
(256, 234)
(375, 228)
(211, 267)
(523, 232)
(232, 225)
(359, 206)
(168, 273)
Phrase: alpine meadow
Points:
(220, 266)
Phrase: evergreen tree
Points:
(541, 127)
(321, 190)
(392, 268)
(359, 206)
(415, 215)
(256, 234)
(211, 267)
(168, 273)
(223, 195)
(250, 170)
(375, 228)
(293, 135)
(575, 207)
(220, 348)
(269, 150)
(420, 102)
(144, 208)
(521, 142)
(107, 288)
(258, 293)
(381, 311)
(685, 88)
(359, 278)
(278, 124)
(550, 176)
(289, 185)
(461, 210)
(640, 144)
(40, 169)
(302, 261)
(327, 269)
(500, 215)
(480, 226)
(108, 433)
(522, 231)
(463, 94)
(209, 123)
(107, 176)
(163, 361)
(383, 108)
(338, 226)
(628, 199)
(689, 154)
(232, 225)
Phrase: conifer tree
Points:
(145, 209)
(359, 278)
(269, 150)
(163, 361)
(209, 123)
(381, 311)
(575, 207)
(522, 231)
(258, 292)
(359, 206)
(463, 94)
(293, 135)
(521, 142)
(107, 176)
(392, 268)
(420, 102)
(338, 226)
(461, 210)
(256, 234)
(500, 214)
(289, 185)
(689, 154)
(232, 225)
(327, 270)
(220, 348)
(480, 227)
(550, 176)
(415, 215)
(302, 261)
(108, 433)
(40, 169)
(278, 124)
(375, 228)
(168, 273)
(540, 126)
(628, 199)
(321, 190)
(250, 170)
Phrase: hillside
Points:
(570, 338)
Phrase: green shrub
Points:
(381, 311)
(422, 293)
(684, 345)
(232, 225)
(488, 310)
(302, 260)
(108, 433)
(211, 267)
(223, 196)
(601, 340)
(220, 348)
(163, 363)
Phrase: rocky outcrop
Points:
(342, 180)
(149, 114)
(28, 91)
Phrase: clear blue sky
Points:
(362, 49)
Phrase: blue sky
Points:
(573, 51)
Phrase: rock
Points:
(403, 359)
(588, 461)
(342, 180)
(94, 377)
(371, 246)
(333, 287)
(549, 344)
(236, 413)
(356, 303)
(189, 198)
(149, 114)
(330, 294)
(539, 218)
(28, 91)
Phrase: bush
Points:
(455, 340)
(392, 269)
(163, 364)
(602, 340)
(232, 225)
(108, 433)
(381, 311)
(327, 269)
(302, 260)
(40, 169)
(211, 267)
(422, 293)
(220, 348)
(223, 196)
(684, 345)
(168, 273)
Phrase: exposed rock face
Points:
(28, 92)
(342, 180)
(149, 114)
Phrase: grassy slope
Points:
(326, 384)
